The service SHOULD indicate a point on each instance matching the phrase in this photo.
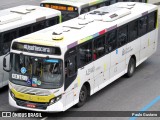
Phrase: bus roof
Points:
(76, 3)
(93, 26)
(23, 15)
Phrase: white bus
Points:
(61, 66)
(21, 20)
(73, 8)
(153, 1)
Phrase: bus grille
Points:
(38, 105)
(29, 90)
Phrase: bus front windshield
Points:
(36, 72)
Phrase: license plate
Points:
(31, 105)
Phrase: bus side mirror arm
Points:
(4, 63)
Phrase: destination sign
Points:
(61, 7)
(36, 48)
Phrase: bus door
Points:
(99, 61)
(70, 84)
(118, 56)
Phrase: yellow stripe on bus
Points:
(47, 43)
(157, 20)
(79, 81)
(33, 98)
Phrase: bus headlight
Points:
(54, 100)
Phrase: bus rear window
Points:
(36, 48)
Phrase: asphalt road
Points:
(125, 94)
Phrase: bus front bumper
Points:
(56, 107)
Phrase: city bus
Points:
(21, 20)
(61, 66)
(153, 1)
(73, 8)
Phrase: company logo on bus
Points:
(23, 70)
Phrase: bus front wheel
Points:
(131, 67)
(82, 96)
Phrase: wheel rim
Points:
(132, 67)
(82, 95)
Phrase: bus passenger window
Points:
(101, 5)
(133, 30)
(38, 26)
(85, 54)
(122, 36)
(84, 10)
(112, 2)
(93, 8)
(99, 45)
(7, 38)
(151, 21)
(51, 22)
(111, 41)
(24, 31)
(142, 26)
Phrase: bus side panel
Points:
(100, 66)
(71, 95)
(152, 42)
(117, 63)
(107, 67)
(85, 74)
(144, 47)
(133, 48)
(69, 99)
(156, 40)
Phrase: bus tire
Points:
(82, 96)
(131, 67)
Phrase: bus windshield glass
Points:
(36, 72)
